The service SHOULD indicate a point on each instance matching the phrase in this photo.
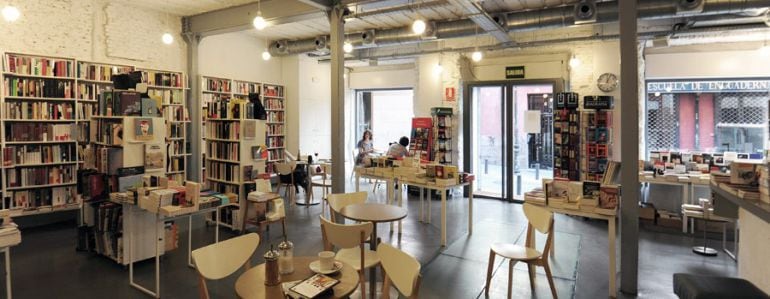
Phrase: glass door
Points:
(488, 140)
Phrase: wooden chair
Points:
(401, 269)
(324, 180)
(541, 220)
(351, 240)
(338, 201)
(220, 260)
(287, 168)
(276, 210)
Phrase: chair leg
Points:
(531, 269)
(283, 226)
(202, 288)
(550, 279)
(490, 267)
(362, 280)
(510, 277)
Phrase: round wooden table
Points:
(251, 284)
(375, 213)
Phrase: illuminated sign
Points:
(709, 86)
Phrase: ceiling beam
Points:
(240, 18)
(320, 4)
(479, 16)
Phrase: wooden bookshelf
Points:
(38, 127)
(275, 131)
(170, 88)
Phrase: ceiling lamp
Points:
(259, 21)
(11, 13)
(167, 38)
(574, 61)
(437, 69)
(477, 56)
(418, 27)
(347, 47)
(266, 55)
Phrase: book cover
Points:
(743, 173)
(149, 107)
(314, 286)
(153, 156)
(143, 129)
(609, 196)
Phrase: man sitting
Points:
(399, 150)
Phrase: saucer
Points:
(316, 267)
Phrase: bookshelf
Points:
(213, 90)
(596, 124)
(566, 137)
(275, 107)
(169, 89)
(231, 132)
(442, 129)
(38, 134)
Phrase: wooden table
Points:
(251, 284)
(375, 213)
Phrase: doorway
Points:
(387, 113)
(510, 130)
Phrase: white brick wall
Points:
(95, 30)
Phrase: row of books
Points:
(90, 91)
(38, 132)
(153, 78)
(126, 103)
(275, 154)
(29, 199)
(39, 66)
(224, 171)
(40, 176)
(566, 140)
(275, 116)
(273, 104)
(177, 147)
(215, 84)
(101, 72)
(83, 129)
(208, 98)
(108, 160)
(39, 88)
(167, 96)
(274, 129)
(225, 189)
(231, 109)
(37, 154)
(246, 87)
(38, 110)
(275, 141)
(272, 90)
(109, 133)
(85, 111)
(223, 150)
(224, 130)
(176, 113)
(175, 165)
(175, 130)
(109, 230)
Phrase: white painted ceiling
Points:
(184, 7)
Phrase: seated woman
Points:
(364, 146)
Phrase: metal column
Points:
(338, 98)
(194, 102)
(629, 147)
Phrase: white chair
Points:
(350, 239)
(287, 168)
(220, 260)
(541, 220)
(401, 269)
(322, 179)
(337, 201)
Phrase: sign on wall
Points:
(450, 94)
(514, 72)
(709, 86)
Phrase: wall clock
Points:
(607, 82)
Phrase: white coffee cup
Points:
(326, 260)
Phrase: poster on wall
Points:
(450, 94)
(143, 128)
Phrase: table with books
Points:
(9, 236)
(688, 183)
(251, 284)
(583, 199)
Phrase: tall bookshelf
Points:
(38, 134)
(170, 88)
(275, 135)
(230, 135)
(442, 130)
(213, 90)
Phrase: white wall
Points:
(95, 30)
(382, 79)
(753, 264)
(238, 56)
(290, 79)
(722, 64)
(314, 107)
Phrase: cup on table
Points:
(326, 260)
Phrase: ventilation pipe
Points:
(586, 11)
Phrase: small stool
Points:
(689, 286)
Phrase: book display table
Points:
(686, 182)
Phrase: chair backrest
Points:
(344, 235)
(327, 168)
(264, 185)
(285, 168)
(541, 220)
(401, 268)
(219, 260)
(337, 201)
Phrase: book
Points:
(314, 285)
(609, 196)
(153, 156)
(143, 129)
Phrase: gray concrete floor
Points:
(46, 264)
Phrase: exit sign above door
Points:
(514, 72)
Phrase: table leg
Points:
(390, 195)
(400, 203)
(157, 258)
(358, 182)
(189, 241)
(685, 197)
(422, 214)
(470, 208)
(613, 268)
(216, 230)
(430, 202)
(8, 272)
(443, 219)
(373, 270)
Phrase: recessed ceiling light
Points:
(418, 27)
(11, 13)
(167, 38)
(266, 55)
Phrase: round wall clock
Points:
(607, 82)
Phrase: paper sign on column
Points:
(532, 121)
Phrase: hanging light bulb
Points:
(167, 38)
(11, 13)
(266, 55)
(574, 62)
(418, 27)
(437, 69)
(259, 21)
(347, 47)
(477, 56)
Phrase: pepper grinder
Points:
(286, 258)
(272, 276)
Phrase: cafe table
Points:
(251, 284)
(375, 213)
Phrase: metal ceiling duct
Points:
(547, 18)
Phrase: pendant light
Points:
(419, 25)
(266, 55)
(476, 56)
(347, 47)
(574, 61)
(167, 38)
(259, 21)
(11, 13)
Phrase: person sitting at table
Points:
(399, 150)
(365, 147)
